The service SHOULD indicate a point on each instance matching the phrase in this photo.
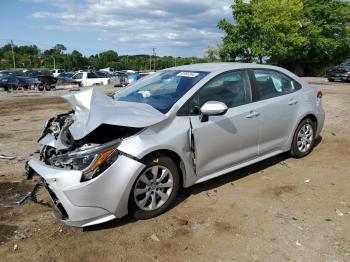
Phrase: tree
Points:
(212, 53)
(32, 57)
(302, 35)
(77, 60)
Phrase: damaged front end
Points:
(95, 120)
(86, 175)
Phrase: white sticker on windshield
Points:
(187, 74)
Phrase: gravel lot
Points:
(281, 209)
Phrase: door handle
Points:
(253, 114)
(292, 102)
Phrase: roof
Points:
(216, 67)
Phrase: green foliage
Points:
(305, 36)
(32, 57)
(212, 54)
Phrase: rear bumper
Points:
(321, 115)
(92, 202)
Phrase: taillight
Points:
(319, 94)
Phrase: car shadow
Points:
(211, 184)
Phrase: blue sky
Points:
(174, 27)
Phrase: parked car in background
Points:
(18, 83)
(103, 74)
(121, 79)
(146, 73)
(113, 77)
(4, 73)
(346, 63)
(130, 153)
(132, 77)
(90, 79)
(56, 72)
(66, 82)
(108, 69)
(66, 75)
(44, 76)
(340, 73)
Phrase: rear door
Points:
(277, 105)
(226, 140)
(3, 83)
(12, 83)
(91, 79)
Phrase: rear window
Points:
(78, 76)
(91, 75)
(272, 84)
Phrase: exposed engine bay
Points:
(97, 123)
(58, 127)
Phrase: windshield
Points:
(162, 89)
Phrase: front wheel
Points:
(304, 139)
(155, 188)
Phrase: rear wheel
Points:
(304, 138)
(155, 188)
(47, 87)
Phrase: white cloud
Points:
(142, 24)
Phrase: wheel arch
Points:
(310, 115)
(173, 156)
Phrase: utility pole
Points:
(175, 60)
(150, 63)
(154, 57)
(54, 62)
(13, 56)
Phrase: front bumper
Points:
(92, 202)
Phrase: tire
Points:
(303, 139)
(47, 87)
(330, 80)
(151, 193)
(41, 88)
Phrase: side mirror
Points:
(212, 108)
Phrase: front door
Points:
(227, 140)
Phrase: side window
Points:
(78, 76)
(3, 80)
(272, 84)
(231, 88)
(91, 75)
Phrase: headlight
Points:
(92, 160)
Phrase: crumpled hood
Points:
(93, 108)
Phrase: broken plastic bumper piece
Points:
(91, 202)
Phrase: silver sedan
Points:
(130, 153)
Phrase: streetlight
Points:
(54, 62)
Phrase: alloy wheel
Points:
(305, 138)
(153, 188)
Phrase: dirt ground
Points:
(281, 209)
